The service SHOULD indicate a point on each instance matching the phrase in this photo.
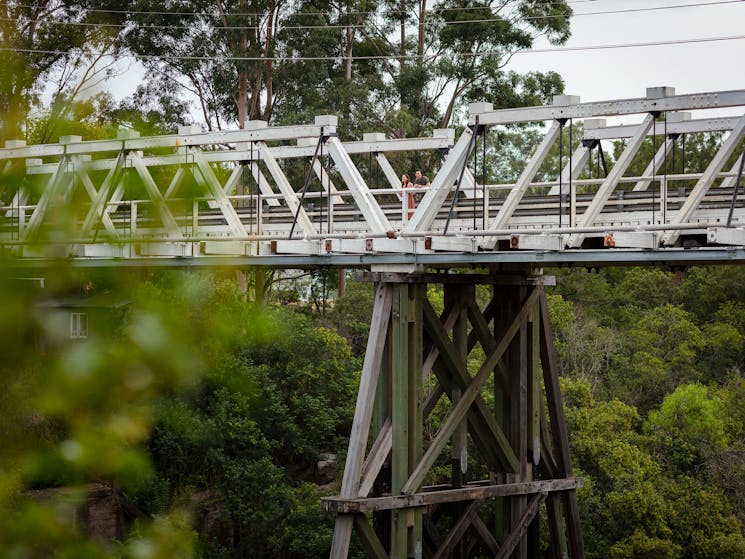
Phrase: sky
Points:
(604, 74)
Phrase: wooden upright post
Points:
(400, 415)
(417, 293)
(526, 453)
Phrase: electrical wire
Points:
(428, 23)
(259, 14)
(395, 56)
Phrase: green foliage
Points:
(633, 505)
(81, 411)
(583, 346)
(209, 415)
(640, 544)
(247, 437)
(352, 313)
(285, 73)
(661, 350)
(689, 427)
(661, 454)
(38, 46)
(89, 118)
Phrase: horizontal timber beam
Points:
(388, 145)
(244, 153)
(468, 279)
(344, 506)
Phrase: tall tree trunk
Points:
(269, 62)
(262, 286)
(348, 61)
(420, 42)
(243, 79)
(349, 45)
(242, 89)
(403, 34)
(258, 72)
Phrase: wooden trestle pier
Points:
(514, 422)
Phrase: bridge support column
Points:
(469, 481)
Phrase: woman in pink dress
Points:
(407, 197)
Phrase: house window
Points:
(78, 325)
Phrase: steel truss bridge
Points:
(224, 199)
(132, 199)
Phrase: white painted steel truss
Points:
(300, 190)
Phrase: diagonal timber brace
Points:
(289, 194)
(611, 181)
(215, 189)
(442, 184)
(169, 222)
(97, 211)
(704, 183)
(54, 187)
(517, 193)
(377, 222)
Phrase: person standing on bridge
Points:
(407, 197)
(420, 179)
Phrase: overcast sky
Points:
(597, 75)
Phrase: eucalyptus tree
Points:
(368, 60)
(63, 44)
(459, 50)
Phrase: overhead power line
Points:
(259, 14)
(397, 57)
(348, 26)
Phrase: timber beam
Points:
(475, 279)
(423, 499)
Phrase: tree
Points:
(42, 39)
(661, 351)
(281, 62)
(468, 46)
(584, 348)
(633, 506)
(690, 426)
(77, 411)
(243, 442)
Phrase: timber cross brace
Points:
(500, 423)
